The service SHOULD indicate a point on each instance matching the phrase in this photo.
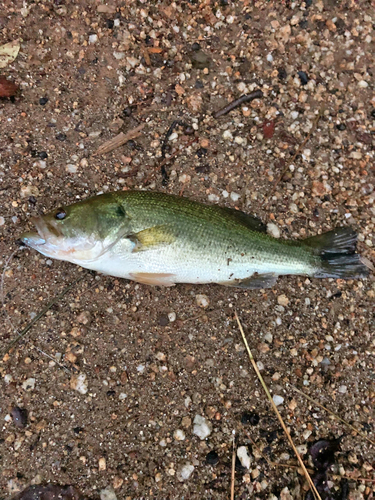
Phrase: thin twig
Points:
(257, 94)
(233, 466)
(307, 475)
(296, 153)
(28, 327)
(333, 414)
(119, 140)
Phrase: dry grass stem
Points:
(307, 475)
(233, 468)
(333, 414)
(119, 140)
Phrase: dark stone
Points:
(43, 155)
(43, 101)
(109, 23)
(341, 126)
(212, 458)
(19, 416)
(201, 152)
(303, 77)
(195, 46)
(249, 417)
(163, 320)
(203, 169)
(282, 74)
(61, 136)
(199, 84)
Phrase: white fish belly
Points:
(185, 266)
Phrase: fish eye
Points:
(60, 214)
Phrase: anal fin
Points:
(160, 279)
(254, 282)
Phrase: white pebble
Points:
(363, 84)
(278, 400)
(173, 136)
(79, 383)
(8, 378)
(234, 196)
(141, 368)
(2, 221)
(302, 449)
(213, 197)
(273, 230)
(294, 115)
(269, 57)
(202, 301)
(122, 396)
(108, 494)
(260, 366)
(179, 435)
(227, 135)
(343, 389)
(202, 427)
(93, 38)
(268, 337)
(71, 168)
(29, 384)
(172, 316)
(244, 457)
(118, 55)
(185, 472)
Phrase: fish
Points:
(163, 239)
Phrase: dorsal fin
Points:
(246, 220)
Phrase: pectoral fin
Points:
(161, 279)
(152, 237)
(256, 281)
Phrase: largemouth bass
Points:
(162, 239)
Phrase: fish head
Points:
(78, 233)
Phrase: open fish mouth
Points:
(44, 232)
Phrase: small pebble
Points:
(202, 301)
(43, 101)
(283, 300)
(343, 389)
(303, 77)
(249, 417)
(29, 384)
(212, 458)
(108, 494)
(172, 316)
(278, 400)
(19, 416)
(79, 383)
(227, 135)
(93, 39)
(179, 435)
(244, 457)
(202, 427)
(185, 472)
(273, 230)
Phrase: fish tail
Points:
(336, 250)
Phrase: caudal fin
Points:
(336, 250)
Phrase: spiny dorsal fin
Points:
(244, 219)
(152, 237)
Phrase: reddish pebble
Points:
(7, 88)
(268, 129)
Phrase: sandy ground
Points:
(146, 361)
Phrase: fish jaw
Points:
(50, 241)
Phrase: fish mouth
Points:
(44, 231)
